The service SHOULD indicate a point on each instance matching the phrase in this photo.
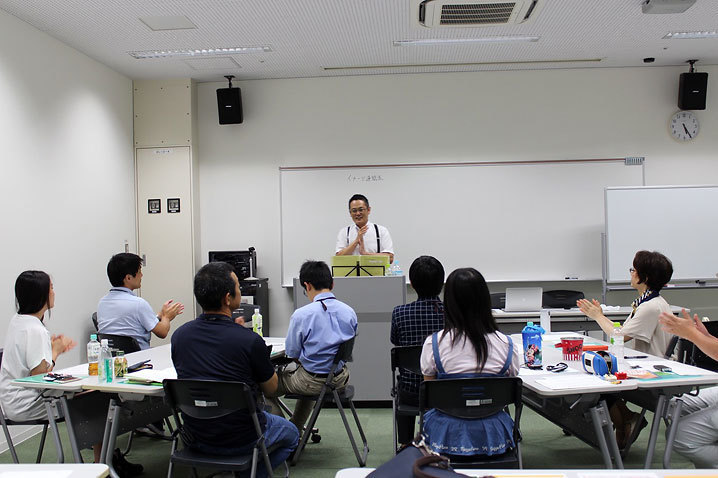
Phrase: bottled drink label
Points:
(257, 322)
(93, 355)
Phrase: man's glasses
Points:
(356, 210)
(631, 270)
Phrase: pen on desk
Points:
(635, 356)
(571, 278)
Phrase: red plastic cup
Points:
(572, 347)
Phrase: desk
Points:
(656, 395)
(562, 320)
(144, 401)
(574, 406)
(69, 470)
(552, 473)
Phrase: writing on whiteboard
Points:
(364, 178)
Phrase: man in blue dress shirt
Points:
(121, 312)
(315, 333)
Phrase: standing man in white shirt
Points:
(363, 237)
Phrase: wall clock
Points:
(684, 126)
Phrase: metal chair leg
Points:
(42, 444)
(169, 426)
(394, 417)
(8, 439)
(310, 425)
(129, 444)
(361, 457)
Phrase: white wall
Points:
(559, 114)
(67, 181)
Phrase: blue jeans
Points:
(280, 432)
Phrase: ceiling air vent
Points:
(474, 13)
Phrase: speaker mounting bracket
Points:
(229, 78)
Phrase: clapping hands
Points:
(62, 344)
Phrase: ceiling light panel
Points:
(690, 35)
(149, 54)
(454, 41)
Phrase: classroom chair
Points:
(407, 358)
(474, 398)
(209, 399)
(124, 343)
(688, 353)
(341, 398)
(6, 422)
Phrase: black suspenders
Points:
(378, 241)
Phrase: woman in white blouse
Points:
(29, 347)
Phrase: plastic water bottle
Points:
(531, 335)
(106, 364)
(93, 354)
(257, 322)
(397, 269)
(616, 347)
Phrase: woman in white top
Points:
(641, 331)
(469, 346)
(29, 348)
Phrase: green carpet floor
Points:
(544, 446)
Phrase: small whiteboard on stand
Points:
(678, 221)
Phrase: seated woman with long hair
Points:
(469, 346)
(29, 347)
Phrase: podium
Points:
(373, 299)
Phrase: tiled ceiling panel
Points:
(315, 37)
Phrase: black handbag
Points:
(415, 461)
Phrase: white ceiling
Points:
(309, 36)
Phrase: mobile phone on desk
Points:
(139, 366)
(663, 368)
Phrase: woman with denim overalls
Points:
(469, 346)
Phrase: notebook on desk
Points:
(523, 299)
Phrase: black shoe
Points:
(123, 467)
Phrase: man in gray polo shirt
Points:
(121, 312)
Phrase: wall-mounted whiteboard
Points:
(515, 221)
(679, 221)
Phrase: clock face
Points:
(684, 126)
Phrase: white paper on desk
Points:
(78, 370)
(152, 375)
(569, 381)
(677, 367)
(554, 338)
(620, 474)
(35, 474)
(610, 307)
(525, 371)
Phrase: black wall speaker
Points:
(229, 105)
(692, 91)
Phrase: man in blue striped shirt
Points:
(315, 333)
(411, 324)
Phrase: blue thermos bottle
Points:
(531, 335)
